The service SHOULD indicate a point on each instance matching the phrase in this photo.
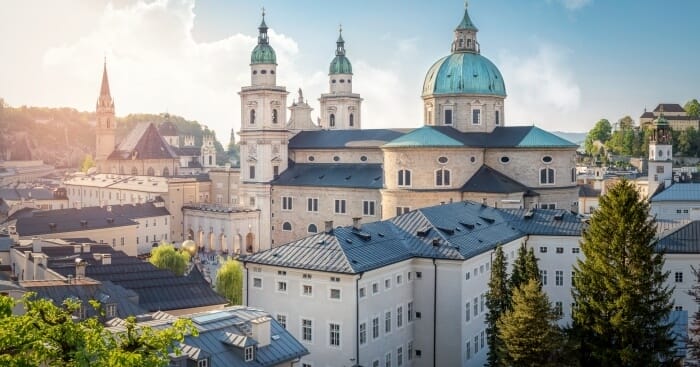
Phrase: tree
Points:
(229, 281)
(48, 335)
(600, 132)
(88, 163)
(524, 268)
(529, 334)
(692, 108)
(621, 305)
(497, 302)
(167, 257)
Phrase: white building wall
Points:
(676, 210)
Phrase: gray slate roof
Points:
(669, 107)
(679, 192)
(368, 176)
(69, 220)
(462, 230)
(143, 142)
(26, 194)
(684, 240)
(487, 179)
(333, 139)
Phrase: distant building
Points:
(16, 199)
(232, 337)
(677, 117)
(18, 171)
(680, 201)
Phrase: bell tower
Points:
(106, 122)
(660, 155)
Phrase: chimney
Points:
(260, 330)
(329, 226)
(36, 245)
(80, 265)
(86, 247)
(357, 223)
(106, 259)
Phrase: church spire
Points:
(104, 89)
(340, 43)
(262, 36)
(465, 34)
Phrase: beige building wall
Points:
(300, 218)
(347, 155)
(223, 230)
(462, 116)
(183, 191)
(143, 167)
(224, 185)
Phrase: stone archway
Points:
(200, 238)
(238, 243)
(222, 243)
(212, 242)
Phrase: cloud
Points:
(573, 4)
(155, 65)
(540, 85)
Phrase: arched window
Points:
(134, 171)
(312, 228)
(573, 175)
(404, 178)
(546, 176)
(274, 115)
(151, 171)
(352, 119)
(252, 117)
(332, 120)
(286, 226)
(249, 239)
(108, 123)
(442, 177)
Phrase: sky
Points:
(566, 63)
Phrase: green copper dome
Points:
(464, 73)
(263, 53)
(340, 64)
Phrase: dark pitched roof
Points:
(462, 230)
(167, 128)
(683, 240)
(487, 179)
(647, 114)
(333, 139)
(669, 107)
(587, 191)
(70, 220)
(26, 194)
(143, 142)
(368, 176)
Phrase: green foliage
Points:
(47, 335)
(529, 334)
(600, 132)
(229, 281)
(165, 256)
(694, 337)
(497, 302)
(626, 140)
(692, 108)
(621, 304)
(524, 268)
(88, 163)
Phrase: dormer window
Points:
(111, 310)
(249, 354)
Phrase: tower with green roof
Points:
(464, 90)
(660, 154)
(263, 133)
(340, 108)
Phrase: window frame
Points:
(547, 176)
(403, 178)
(443, 177)
(312, 205)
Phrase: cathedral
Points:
(300, 177)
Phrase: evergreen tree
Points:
(621, 304)
(497, 302)
(532, 270)
(528, 333)
(519, 274)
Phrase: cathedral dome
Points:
(263, 54)
(464, 73)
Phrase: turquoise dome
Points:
(464, 73)
(263, 54)
(340, 65)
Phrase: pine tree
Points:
(529, 334)
(524, 268)
(694, 337)
(621, 305)
(498, 302)
(532, 270)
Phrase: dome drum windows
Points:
(442, 160)
(476, 116)
(331, 120)
(252, 117)
(352, 120)
(363, 158)
(274, 115)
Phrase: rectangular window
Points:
(286, 203)
(340, 206)
(306, 330)
(335, 279)
(399, 316)
(468, 311)
(679, 277)
(560, 250)
(575, 250)
(543, 277)
(363, 333)
(335, 293)
(409, 310)
(483, 339)
(251, 172)
(363, 292)
(476, 116)
(659, 169)
(368, 207)
(282, 320)
(275, 171)
(282, 287)
(399, 356)
(111, 310)
(483, 299)
(476, 344)
(387, 360)
(402, 210)
(476, 306)
(257, 282)
(448, 116)
(559, 308)
(375, 328)
(543, 249)
(387, 283)
(387, 322)
(375, 288)
(375, 363)
(498, 117)
(334, 337)
(467, 275)
(409, 350)
(559, 278)
(468, 349)
(312, 205)
(248, 356)
(307, 290)
(399, 279)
